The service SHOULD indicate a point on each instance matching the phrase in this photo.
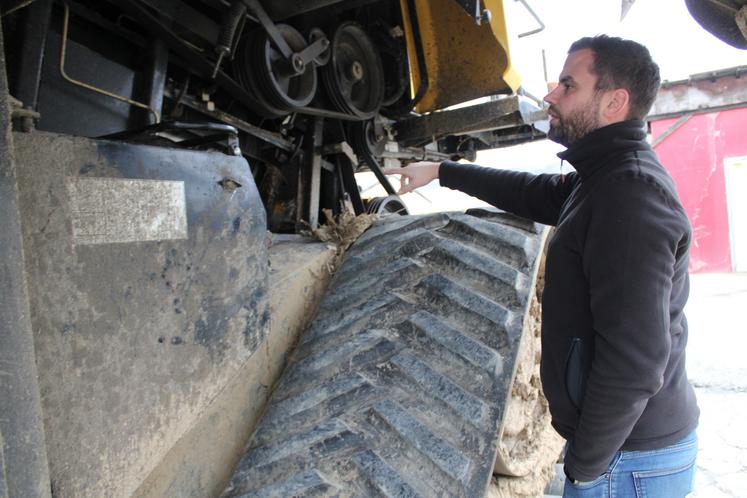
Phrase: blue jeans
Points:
(664, 473)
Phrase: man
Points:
(613, 328)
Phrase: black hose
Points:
(230, 24)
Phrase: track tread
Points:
(398, 387)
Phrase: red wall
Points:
(694, 156)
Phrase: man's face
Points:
(574, 104)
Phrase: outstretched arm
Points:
(537, 197)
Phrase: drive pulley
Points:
(368, 140)
(354, 77)
(281, 82)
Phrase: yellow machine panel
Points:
(463, 61)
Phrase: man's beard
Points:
(576, 125)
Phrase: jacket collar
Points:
(588, 154)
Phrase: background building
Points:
(699, 131)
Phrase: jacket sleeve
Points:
(537, 197)
(628, 259)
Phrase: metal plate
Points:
(147, 277)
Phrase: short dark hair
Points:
(620, 63)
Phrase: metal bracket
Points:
(340, 148)
(536, 18)
(216, 132)
(506, 112)
(473, 8)
(316, 173)
(741, 19)
(63, 50)
(310, 53)
(296, 61)
(257, 11)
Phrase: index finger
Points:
(394, 171)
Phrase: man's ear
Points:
(616, 105)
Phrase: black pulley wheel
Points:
(368, 142)
(354, 77)
(262, 69)
(396, 70)
(391, 204)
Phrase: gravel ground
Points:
(717, 316)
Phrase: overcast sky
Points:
(677, 43)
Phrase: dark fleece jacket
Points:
(616, 283)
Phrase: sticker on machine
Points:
(112, 210)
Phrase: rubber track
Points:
(398, 386)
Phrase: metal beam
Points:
(316, 173)
(279, 11)
(157, 63)
(36, 26)
(21, 424)
(268, 136)
(506, 112)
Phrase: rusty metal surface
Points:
(705, 92)
(135, 336)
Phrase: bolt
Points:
(297, 62)
(356, 71)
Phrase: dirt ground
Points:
(717, 316)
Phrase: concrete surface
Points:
(717, 315)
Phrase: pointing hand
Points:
(415, 175)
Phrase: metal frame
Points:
(158, 61)
(315, 159)
(270, 137)
(66, 77)
(36, 25)
(496, 114)
(24, 463)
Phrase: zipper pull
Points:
(562, 175)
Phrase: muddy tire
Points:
(399, 387)
(529, 447)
